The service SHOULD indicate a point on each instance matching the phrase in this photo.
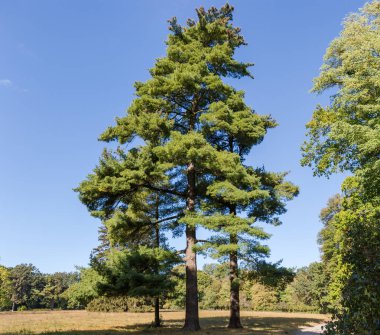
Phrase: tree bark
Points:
(191, 314)
(157, 321)
(234, 321)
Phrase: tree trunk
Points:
(191, 314)
(234, 321)
(157, 321)
(13, 306)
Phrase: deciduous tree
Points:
(345, 136)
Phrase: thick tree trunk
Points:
(157, 321)
(191, 314)
(234, 321)
(13, 307)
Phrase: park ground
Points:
(88, 323)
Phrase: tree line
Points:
(25, 287)
(273, 288)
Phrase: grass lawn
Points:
(86, 323)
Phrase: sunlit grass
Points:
(86, 323)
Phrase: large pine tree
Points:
(181, 156)
(168, 108)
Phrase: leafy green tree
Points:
(213, 288)
(355, 283)
(176, 299)
(55, 285)
(79, 294)
(269, 274)
(5, 288)
(263, 297)
(344, 136)
(329, 239)
(27, 283)
(327, 234)
(309, 287)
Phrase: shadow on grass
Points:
(210, 325)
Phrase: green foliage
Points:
(196, 129)
(27, 283)
(79, 294)
(213, 288)
(356, 280)
(141, 272)
(264, 298)
(327, 234)
(25, 287)
(120, 304)
(308, 290)
(329, 240)
(5, 288)
(55, 285)
(264, 289)
(344, 136)
(269, 274)
(176, 298)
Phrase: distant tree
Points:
(5, 288)
(329, 241)
(27, 283)
(269, 274)
(214, 286)
(263, 297)
(56, 284)
(79, 294)
(309, 288)
(327, 235)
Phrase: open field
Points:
(86, 323)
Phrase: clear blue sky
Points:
(67, 70)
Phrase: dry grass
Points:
(86, 323)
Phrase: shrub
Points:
(264, 298)
(119, 304)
